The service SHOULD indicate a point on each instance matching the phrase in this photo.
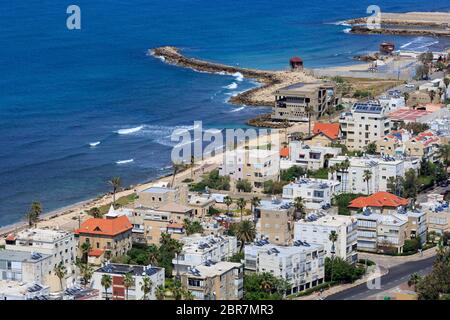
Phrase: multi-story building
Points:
(26, 267)
(277, 221)
(200, 205)
(438, 216)
(316, 193)
(317, 230)
(416, 227)
(17, 290)
(424, 145)
(215, 281)
(107, 237)
(60, 245)
(380, 202)
(292, 102)
(366, 122)
(392, 144)
(301, 264)
(392, 101)
(117, 291)
(254, 165)
(155, 197)
(310, 157)
(380, 232)
(198, 250)
(380, 168)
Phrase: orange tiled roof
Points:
(379, 199)
(331, 130)
(10, 237)
(95, 253)
(284, 152)
(106, 227)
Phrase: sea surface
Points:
(78, 107)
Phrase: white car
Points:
(410, 85)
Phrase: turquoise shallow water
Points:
(61, 90)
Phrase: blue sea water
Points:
(62, 89)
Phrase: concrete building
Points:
(107, 237)
(199, 249)
(155, 197)
(316, 229)
(416, 227)
(26, 267)
(366, 122)
(60, 245)
(380, 232)
(301, 264)
(215, 281)
(298, 153)
(17, 290)
(438, 216)
(277, 221)
(392, 101)
(418, 98)
(316, 193)
(381, 168)
(117, 291)
(291, 102)
(200, 205)
(324, 134)
(255, 165)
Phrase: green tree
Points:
(34, 213)
(115, 183)
(371, 148)
(128, 282)
(367, 175)
(177, 290)
(106, 282)
(95, 212)
(244, 186)
(187, 295)
(264, 286)
(410, 184)
(228, 202)
(255, 202)
(192, 227)
(333, 237)
(146, 287)
(444, 154)
(86, 271)
(245, 232)
(60, 271)
(241, 203)
(85, 248)
(414, 280)
(160, 292)
(299, 207)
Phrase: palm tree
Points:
(187, 295)
(85, 248)
(255, 202)
(146, 286)
(176, 167)
(367, 175)
(115, 183)
(414, 280)
(299, 207)
(86, 271)
(333, 238)
(106, 283)
(34, 213)
(177, 290)
(128, 282)
(160, 292)
(192, 167)
(241, 203)
(228, 202)
(60, 271)
(344, 169)
(153, 255)
(245, 232)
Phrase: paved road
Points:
(397, 275)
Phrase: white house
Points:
(308, 157)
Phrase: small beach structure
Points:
(296, 63)
(387, 47)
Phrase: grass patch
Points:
(122, 201)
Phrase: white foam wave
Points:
(231, 86)
(130, 130)
(347, 30)
(94, 144)
(237, 109)
(406, 45)
(238, 76)
(125, 161)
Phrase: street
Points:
(395, 277)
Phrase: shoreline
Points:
(259, 96)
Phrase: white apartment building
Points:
(255, 165)
(199, 249)
(308, 157)
(381, 168)
(16, 290)
(392, 101)
(315, 229)
(366, 122)
(117, 291)
(316, 193)
(438, 215)
(376, 232)
(60, 245)
(302, 264)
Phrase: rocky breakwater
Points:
(259, 96)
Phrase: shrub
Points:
(244, 185)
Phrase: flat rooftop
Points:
(329, 220)
(213, 269)
(42, 235)
(303, 87)
(406, 114)
(158, 190)
(22, 256)
(266, 246)
(116, 268)
(275, 205)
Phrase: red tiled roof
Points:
(108, 227)
(379, 199)
(284, 152)
(331, 130)
(408, 114)
(10, 237)
(95, 253)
